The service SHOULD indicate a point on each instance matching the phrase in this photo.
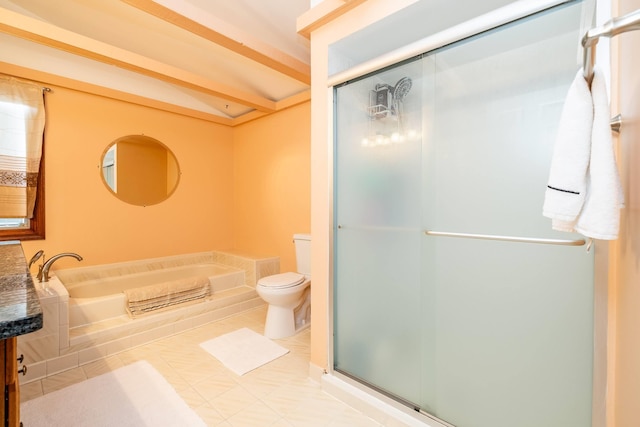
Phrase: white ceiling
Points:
(226, 58)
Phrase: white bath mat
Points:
(243, 350)
(135, 395)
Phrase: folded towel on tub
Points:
(165, 295)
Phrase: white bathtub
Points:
(93, 299)
(84, 307)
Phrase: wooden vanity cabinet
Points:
(20, 313)
(11, 386)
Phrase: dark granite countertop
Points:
(20, 310)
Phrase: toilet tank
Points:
(303, 253)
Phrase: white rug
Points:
(243, 350)
(135, 395)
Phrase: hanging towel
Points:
(600, 216)
(566, 189)
(584, 192)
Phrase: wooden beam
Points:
(324, 13)
(55, 80)
(294, 100)
(65, 82)
(209, 27)
(291, 101)
(49, 35)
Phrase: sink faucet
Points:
(43, 273)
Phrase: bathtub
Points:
(85, 318)
(96, 293)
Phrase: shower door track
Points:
(395, 401)
(488, 21)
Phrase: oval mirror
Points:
(139, 170)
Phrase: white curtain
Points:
(22, 119)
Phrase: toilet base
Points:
(280, 322)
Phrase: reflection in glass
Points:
(109, 168)
(140, 170)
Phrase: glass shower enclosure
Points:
(451, 293)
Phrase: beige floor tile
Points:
(278, 394)
(281, 423)
(260, 383)
(356, 420)
(209, 415)
(63, 380)
(215, 385)
(191, 397)
(257, 414)
(102, 366)
(233, 401)
(284, 400)
(30, 391)
(195, 373)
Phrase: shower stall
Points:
(451, 293)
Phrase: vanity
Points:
(20, 313)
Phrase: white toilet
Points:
(289, 294)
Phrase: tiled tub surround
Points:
(77, 331)
(100, 299)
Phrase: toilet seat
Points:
(281, 281)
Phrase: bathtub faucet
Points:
(43, 271)
(36, 257)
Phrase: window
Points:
(10, 223)
(21, 168)
(27, 229)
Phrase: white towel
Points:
(584, 192)
(566, 190)
(600, 216)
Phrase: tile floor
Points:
(279, 394)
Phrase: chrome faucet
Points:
(43, 271)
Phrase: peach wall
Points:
(624, 381)
(84, 217)
(272, 183)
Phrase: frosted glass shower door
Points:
(475, 332)
(378, 242)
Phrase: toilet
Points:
(289, 294)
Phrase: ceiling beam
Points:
(291, 101)
(44, 33)
(323, 13)
(49, 79)
(209, 27)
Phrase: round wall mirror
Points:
(139, 170)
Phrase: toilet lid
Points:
(282, 280)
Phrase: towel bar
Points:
(579, 242)
(615, 123)
(613, 27)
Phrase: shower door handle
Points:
(561, 242)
